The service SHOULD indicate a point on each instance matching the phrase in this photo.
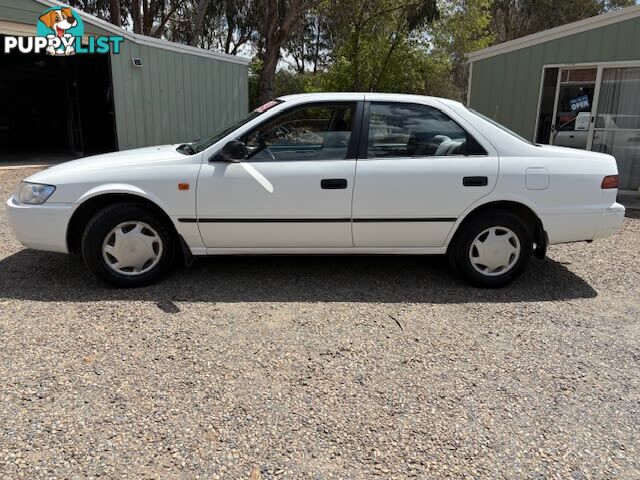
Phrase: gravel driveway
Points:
(317, 368)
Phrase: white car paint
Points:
(565, 194)
(412, 187)
(228, 190)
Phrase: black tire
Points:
(109, 218)
(459, 251)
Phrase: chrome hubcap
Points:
(132, 248)
(494, 251)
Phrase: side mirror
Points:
(234, 151)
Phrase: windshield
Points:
(501, 127)
(200, 145)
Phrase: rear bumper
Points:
(578, 227)
(610, 221)
(42, 227)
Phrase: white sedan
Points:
(335, 173)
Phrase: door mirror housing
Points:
(233, 151)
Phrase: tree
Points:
(378, 44)
(151, 17)
(307, 47)
(198, 24)
(224, 25)
(136, 15)
(280, 18)
(115, 12)
(462, 28)
(233, 24)
(515, 18)
(110, 10)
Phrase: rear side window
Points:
(412, 130)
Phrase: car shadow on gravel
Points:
(42, 276)
(632, 213)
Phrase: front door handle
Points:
(475, 181)
(333, 183)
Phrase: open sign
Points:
(579, 103)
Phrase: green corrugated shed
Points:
(506, 84)
(175, 96)
(180, 93)
(505, 79)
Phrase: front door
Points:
(295, 188)
(420, 172)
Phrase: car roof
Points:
(374, 96)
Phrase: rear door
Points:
(419, 168)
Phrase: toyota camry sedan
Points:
(334, 173)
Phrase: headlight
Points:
(34, 193)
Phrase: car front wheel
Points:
(492, 249)
(127, 245)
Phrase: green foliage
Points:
(438, 77)
(384, 47)
(255, 67)
(463, 27)
(379, 67)
(391, 54)
(375, 46)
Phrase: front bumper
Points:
(42, 227)
(610, 221)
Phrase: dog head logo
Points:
(61, 26)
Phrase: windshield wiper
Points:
(187, 149)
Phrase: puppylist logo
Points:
(59, 32)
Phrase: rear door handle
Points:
(475, 181)
(333, 183)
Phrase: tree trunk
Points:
(267, 76)
(301, 66)
(356, 47)
(271, 51)
(136, 16)
(274, 37)
(147, 18)
(374, 85)
(196, 32)
(115, 12)
(227, 41)
(316, 53)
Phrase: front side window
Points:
(314, 132)
(411, 130)
(201, 145)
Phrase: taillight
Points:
(610, 181)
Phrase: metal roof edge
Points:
(573, 28)
(149, 41)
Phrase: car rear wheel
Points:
(127, 245)
(492, 249)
